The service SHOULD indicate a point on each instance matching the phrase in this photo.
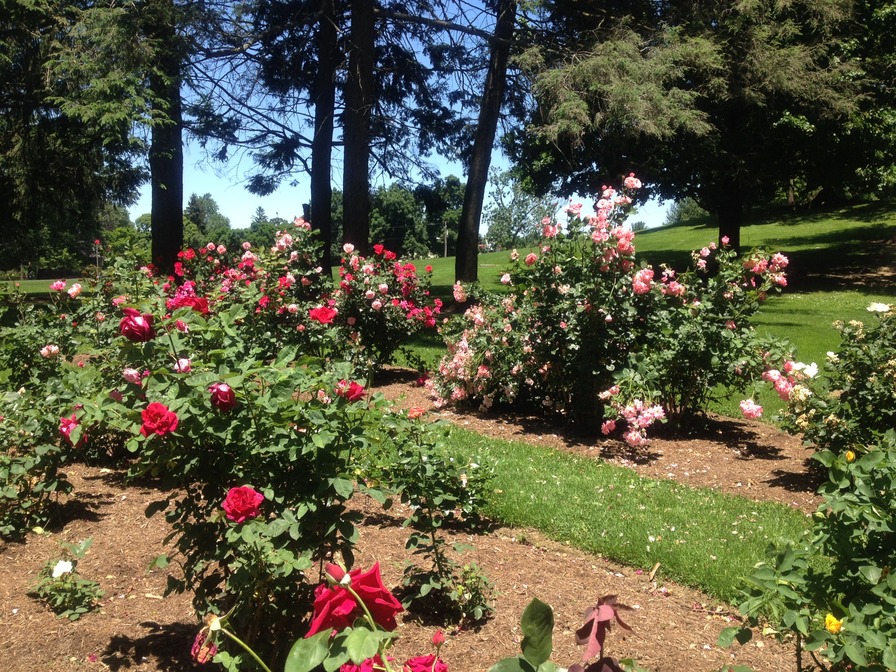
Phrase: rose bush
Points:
(834, 594)
(590, 333)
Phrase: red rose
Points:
(352, 391)
(157, 419)
(223, 396)
(323, 314)
(378, 249)
(425, 664)
(335, 607)
(242, 503)
(136, 327)
(369, 665)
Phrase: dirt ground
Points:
(674, 628)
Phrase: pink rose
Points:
(750, 409)
(58, 286)
(425, 664)
(49, 351)
(157, 419)
(132, 376)
(66, 425)
(335, 607)
(136, 327)
(531, 258)
(242, 504)
(223, 397)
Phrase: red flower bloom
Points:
(323, 314)
(223, 396)
(335, 607)
(157, 419)
(369, 665)
(352, 391)
(136, 327)
(66, 425)
(425, 664)
(378, 249)
(242, 504)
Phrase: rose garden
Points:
(240, 392)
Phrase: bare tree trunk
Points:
(322, 143)
(166, 158)
(356, 128)
(466, 262)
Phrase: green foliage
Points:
(853, 402)
(442, 488)
(61, 588)
(514, 217)
(836, 592)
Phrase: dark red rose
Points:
(323, 314)
(203, 650)
(425, 664)
(352, 391)
(223, 396)
(157, 419)
(242, 504)
(136, 327)
(336, 608)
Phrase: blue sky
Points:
(238, 205)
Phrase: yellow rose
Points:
(833, 624)
(850, 456)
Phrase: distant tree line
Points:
(728, 104)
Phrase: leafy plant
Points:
(835, 593)
(440, 488)
(537, 625)
(61, 588)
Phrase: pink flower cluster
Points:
(638, 417)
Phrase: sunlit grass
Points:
(701, 538)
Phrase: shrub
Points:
(834, 594)
(589, 333)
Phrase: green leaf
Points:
(517, 664)
(306, 654)
(362, 644)
(871, 573)
(855, 654)
(159, 562)
(343, 487)
(537, 624)
(729, 635)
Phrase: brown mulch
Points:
(674, 628)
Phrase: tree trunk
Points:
(466, 262)
(166, 158)
(356, 128)
(322, 143)
(731, 211)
